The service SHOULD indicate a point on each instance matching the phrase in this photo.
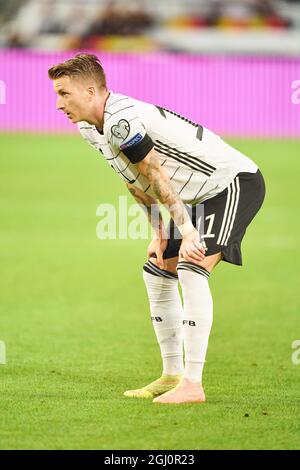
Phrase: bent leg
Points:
(166, 316)
(197, 323)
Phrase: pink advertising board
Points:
(237, 96)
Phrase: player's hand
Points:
(158, 246)
(191, 248)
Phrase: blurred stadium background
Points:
(74, 315)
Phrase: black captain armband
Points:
(138, 152)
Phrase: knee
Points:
(170, 265)
(151, 268)
(208, 264)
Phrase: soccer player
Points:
(164, 157)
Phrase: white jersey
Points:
(199, 163)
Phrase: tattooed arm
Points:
(191, 248)
(151, 208)
(149, 205)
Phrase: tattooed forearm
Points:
(165, 192)
(151, 209)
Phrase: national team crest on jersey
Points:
(121, 130)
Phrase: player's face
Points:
(73, 98)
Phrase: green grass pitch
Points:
(75, 320)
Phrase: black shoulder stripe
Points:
(164, 110)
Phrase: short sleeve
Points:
(128, 134)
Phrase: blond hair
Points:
(82, 65)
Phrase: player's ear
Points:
(91, 91)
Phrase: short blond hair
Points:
(82, 65)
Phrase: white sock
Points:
(198, 317)
(166, 315)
